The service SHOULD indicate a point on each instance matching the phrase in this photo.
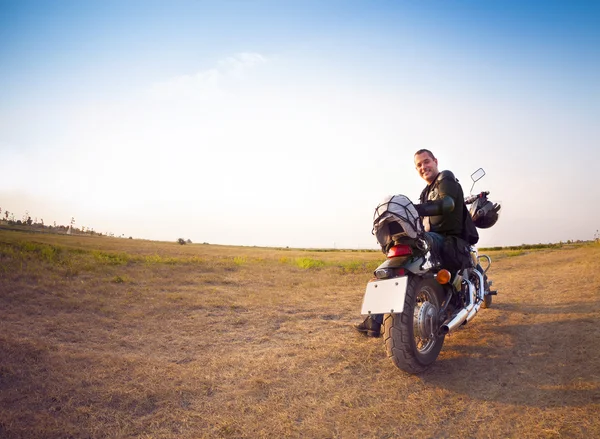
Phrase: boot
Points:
(369, 327)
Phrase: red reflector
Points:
(399, 250)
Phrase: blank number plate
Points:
(385, 296)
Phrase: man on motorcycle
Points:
(443, 210)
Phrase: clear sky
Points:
(284, 123)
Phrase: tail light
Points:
(387, 273)
(399, 250)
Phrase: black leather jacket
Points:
(442, 205)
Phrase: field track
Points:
(117, 338)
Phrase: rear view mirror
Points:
(476, 176)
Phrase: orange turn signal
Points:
(443, 276)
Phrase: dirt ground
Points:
(115, 338)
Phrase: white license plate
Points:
(385, 296)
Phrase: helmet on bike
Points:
(484, 213)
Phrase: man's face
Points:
(427, 167)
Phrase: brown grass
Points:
(116, 338)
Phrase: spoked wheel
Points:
(412, 338)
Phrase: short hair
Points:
(421, 151)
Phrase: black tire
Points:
(403, 344)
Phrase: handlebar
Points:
(472, 198)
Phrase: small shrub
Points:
(111, 258)
(49, 253)
(308, 263)
(153, 259)
(181, 241)
(359, 266)
(352, 266)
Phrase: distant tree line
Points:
(8, 218)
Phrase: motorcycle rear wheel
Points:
(412, 339)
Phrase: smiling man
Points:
(442, 201)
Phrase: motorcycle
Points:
(422, 301)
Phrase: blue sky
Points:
(235, 121)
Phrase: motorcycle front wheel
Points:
(412, 338)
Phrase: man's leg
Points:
(371, 326)
(435, 241)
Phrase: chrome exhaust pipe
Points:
(455, 322)
(481, 292)
(462, 315)
(468, 312)
(471, 288)
(480, 296)
(472, 313)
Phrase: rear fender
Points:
(394, 262)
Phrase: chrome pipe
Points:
(469, 311)
(472, 313)
(455, 322)
(480, 296)
(489, 261)
(481, 291)
(471, 289)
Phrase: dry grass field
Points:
(117, 338)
